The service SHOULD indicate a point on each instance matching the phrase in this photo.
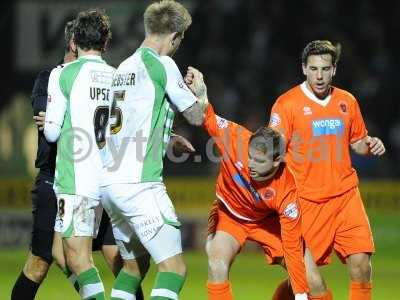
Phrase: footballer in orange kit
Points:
(256, 200)
(320, 123)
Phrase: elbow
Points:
(197, 120)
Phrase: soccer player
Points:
(77, 91)
(256, 200)
(320, 123)
(147, 89)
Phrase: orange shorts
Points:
(267, 233)
(341, 224)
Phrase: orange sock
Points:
(283, 292)
(360, 291)
(326, 296)
(219, 291)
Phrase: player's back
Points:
(85, 84)
(319, 134)
(141, 119)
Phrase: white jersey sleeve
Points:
(56, 106)
(178, 92)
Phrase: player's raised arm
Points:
(292, 242)
(56, 107)
(181, 96)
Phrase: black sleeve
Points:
(39, 92)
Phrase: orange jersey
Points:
(252, 201)
(318, 137)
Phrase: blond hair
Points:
(165, 17)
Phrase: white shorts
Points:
(77, 216)
(143, 220)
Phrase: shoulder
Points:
(169, 64)
(344, 94)
(290, 97)
(60, 69)
(167, 61)
(42, 80)
(43, 75)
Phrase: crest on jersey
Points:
(221, 122)
(343, 107)
(307, 111)
(269, 194)
(49, 98)
(275, 120)
(291, 211)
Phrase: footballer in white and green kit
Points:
(147, 89)
(76, 117)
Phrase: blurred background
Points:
(249, 52)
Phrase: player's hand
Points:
(39, 120)
(376, 146)
(181, 144)
(195, 81)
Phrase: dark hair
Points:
(320, 47)
(92, 30)
(68, 34)
(268, 140)
(166, 16)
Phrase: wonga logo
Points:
(327, 127)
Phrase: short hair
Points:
(165, 17)
(68, 34)
(268, 141)
(321, 47)
(92, 30)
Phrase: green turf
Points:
(252, 279)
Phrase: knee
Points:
(78, 261)
(360, 267)
(173, 264)
(36, 268)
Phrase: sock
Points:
(125, 286)
(71, 278)
(91, 286)
(24, 288)
(283, 292)
(167, 286)
(360, 291)
(326, 296)
(219, 291)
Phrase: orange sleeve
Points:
(357, 129)
(226, 134)
(292, 242)
(281, 119)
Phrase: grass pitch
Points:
(251, 277)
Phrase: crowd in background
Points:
(249, 52)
